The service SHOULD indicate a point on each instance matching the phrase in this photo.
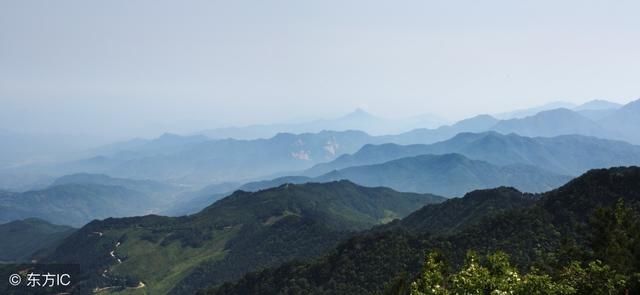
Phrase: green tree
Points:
(615, 237)
(497, 277)
(472, 279)
(432, 278)
(596, 278)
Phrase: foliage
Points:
(496, 276)
(615, 237)
(431, 280)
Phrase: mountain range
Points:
(356, 120)
(533, 165)
(567, 154)
(592, 106)
(243, 232)
(198, 161)
(191, 162)
(195, 162)
(448, 175)
(546, 230)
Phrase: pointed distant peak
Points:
(480, 118)
(477, 123)
(359, 113)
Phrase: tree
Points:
(432, 279)
(497, 277)
(596, 278)
(615, 237)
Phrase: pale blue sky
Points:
(142, 67)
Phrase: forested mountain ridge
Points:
(242, 232)
(559, 226)
(449, 175)
(21, 239)
(453, 215)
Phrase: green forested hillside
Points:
(455, 214)
(576, 222)
(21, 239)
(243, 232)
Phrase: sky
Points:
(139, 68)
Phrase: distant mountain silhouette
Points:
(194, 161)
(527, 112)
(77, 199)
(567, 154)
(359, 119)
(198, 161)
(597, 104)
(448, 175)
(21, 239)
(475, 124)
(552, 123)
(626, 121)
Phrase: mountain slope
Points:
(567, 154)
(79, 198)
(625, 121)
(448, 175)
(242, 232)
(533, 234)
(553, 123)
(478, 123)
(455, 214)
(73, 204)
(597, 104)
(146, 186)
(199, 162)
(23, 238)
(522, 113)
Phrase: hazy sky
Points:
(139, 67)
